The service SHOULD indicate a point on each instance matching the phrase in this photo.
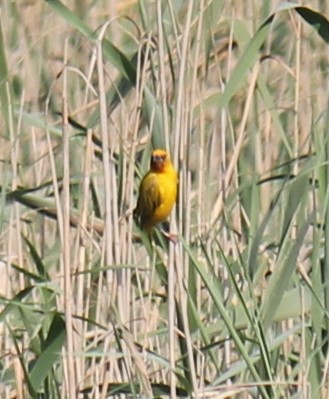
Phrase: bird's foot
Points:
(170, 236)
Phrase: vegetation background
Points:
(238, 91)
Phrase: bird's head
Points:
(159, 160)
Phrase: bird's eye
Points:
(159, 158)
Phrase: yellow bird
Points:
(157, 191)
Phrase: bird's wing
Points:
(149, 196)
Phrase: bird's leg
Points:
(166, 233)
(170, 236)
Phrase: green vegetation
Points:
(239, 306)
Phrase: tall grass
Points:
(238, 94)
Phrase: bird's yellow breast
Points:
(157, 196)
(167, 187)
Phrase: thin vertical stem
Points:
(326, 225)
(66, 243)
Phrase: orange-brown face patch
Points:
(158, 159)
